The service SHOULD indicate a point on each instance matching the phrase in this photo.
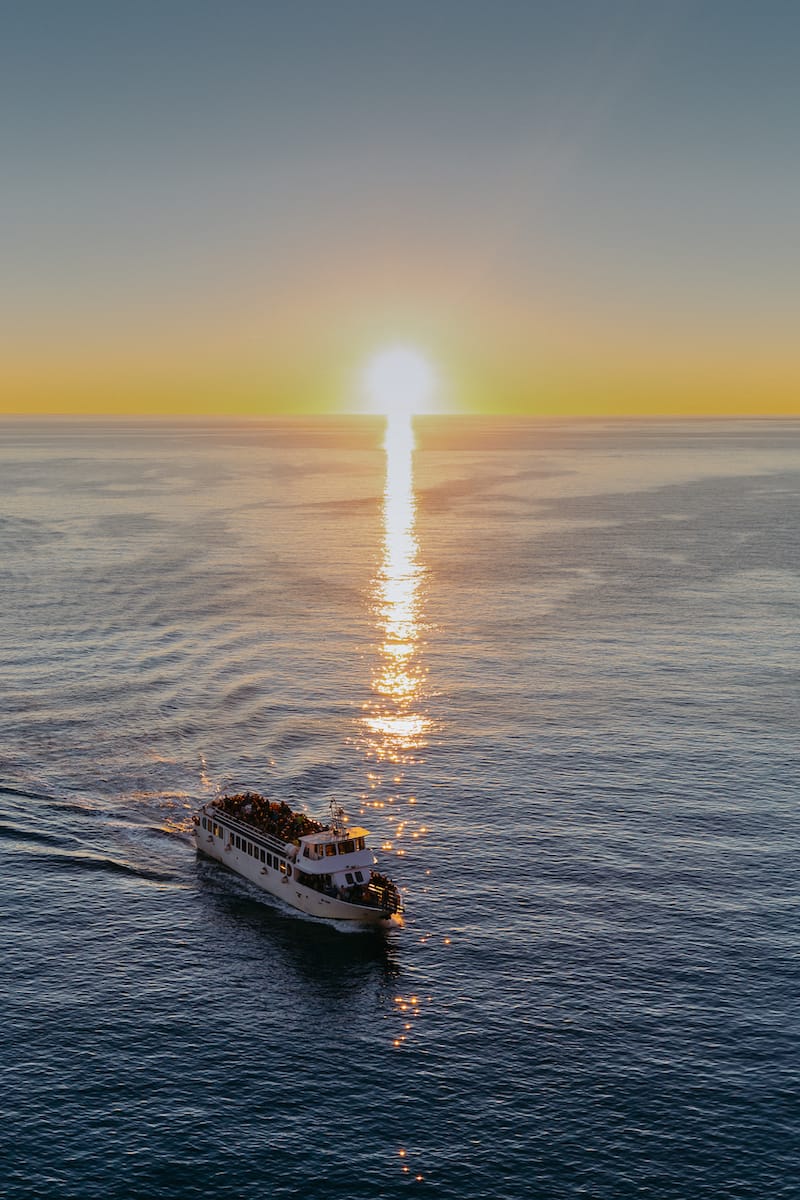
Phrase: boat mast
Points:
(338, 822)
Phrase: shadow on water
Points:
(331, 957)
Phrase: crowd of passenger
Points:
(273, 817)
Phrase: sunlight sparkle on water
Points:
(393, 718)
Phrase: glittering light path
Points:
(394, 716)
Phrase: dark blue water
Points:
(588, 796)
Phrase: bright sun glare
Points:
(399, 381)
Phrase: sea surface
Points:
(553, 668)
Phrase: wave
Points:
(86, 861)
(25, 793)
(20, 833)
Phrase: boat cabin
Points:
(334, 850)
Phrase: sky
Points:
(582, 208)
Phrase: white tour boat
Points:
(322, 870)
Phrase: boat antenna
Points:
(337, 816)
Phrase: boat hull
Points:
(284, 886)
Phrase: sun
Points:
(399, 381)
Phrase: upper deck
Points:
(320, 849)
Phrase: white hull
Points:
(273, 881)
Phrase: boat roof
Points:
(335, 835)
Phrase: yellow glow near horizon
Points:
(479, 372)
(399, 381)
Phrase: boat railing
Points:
(383, 897)
(254, 832)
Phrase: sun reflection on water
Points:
(394, 717)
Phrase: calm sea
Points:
(553, 668)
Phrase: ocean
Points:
(553, 668)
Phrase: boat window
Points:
(359, 877)
(347, 847)
(238, 841)
(330, 849)
(263, 856)
(360, 843)
(349, 878)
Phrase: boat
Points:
(322, 870)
